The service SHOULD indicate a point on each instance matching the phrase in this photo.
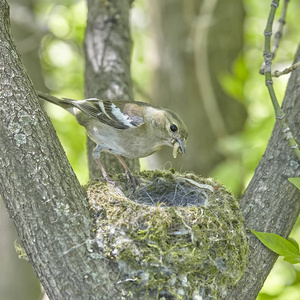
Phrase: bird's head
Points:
(177, 132)
(167, 128)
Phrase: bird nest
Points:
(179, 236)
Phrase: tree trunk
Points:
(17, 278)
(107, 49)
(271, 203)
(37, 184)
(197, 42)
(50, 211)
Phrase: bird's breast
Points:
(131, 142)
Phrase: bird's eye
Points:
(173, 127)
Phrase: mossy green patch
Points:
(178, 236)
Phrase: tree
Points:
(14, 270)
(17, 137)
(193, 55)
(36, 180)
(270, 198)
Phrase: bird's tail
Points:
(64, 103)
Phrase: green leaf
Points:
(281, 246)
(291, 240)
(293, 259)
(295, 181)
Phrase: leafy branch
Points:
(288, 248)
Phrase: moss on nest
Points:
(177, 237)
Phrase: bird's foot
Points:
(107, 179)
(132, 180)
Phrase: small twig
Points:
(277, 36)
(287, 70)
(269, 82)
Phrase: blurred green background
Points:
(53, 31)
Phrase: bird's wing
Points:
(118, 114)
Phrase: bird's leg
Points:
(96, 156)
(104, 174)
(130, 177)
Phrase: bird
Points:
(130, 129)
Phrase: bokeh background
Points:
(199, 58)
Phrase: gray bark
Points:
(49, 208)
(17, 278)
(107, 75)
(271, 203)
(38, 187)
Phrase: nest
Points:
(177, 237)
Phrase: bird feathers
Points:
(117, 114)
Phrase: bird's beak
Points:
(178, 147)
(181, 148)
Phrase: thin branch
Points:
(279, 33)
(268, 56)
(286, 70)
(277, 36)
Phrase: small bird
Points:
(125, 128)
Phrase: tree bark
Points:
(37, 184)
(49, 208)
(17, 278)
(107, 75)
(271, 203)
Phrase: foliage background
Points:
(61, 27)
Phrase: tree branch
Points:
(107, 49)
(278, 35)
(38, 186)
(269, 82)
(271, 203)
(286, 70)
(49, 208)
